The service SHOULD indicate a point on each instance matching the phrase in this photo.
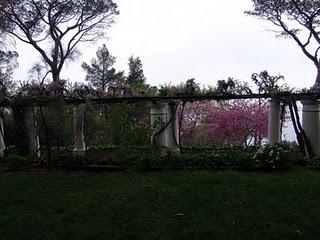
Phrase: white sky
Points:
(180, 39)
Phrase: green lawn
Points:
(167, 205)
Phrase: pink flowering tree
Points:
(241, 122)
(194, 116)
(235, 122)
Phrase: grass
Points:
(165, 205)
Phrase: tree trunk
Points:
(317, 83)
(55, 75)
(57, 85)
(316, 87)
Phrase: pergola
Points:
(165, 124)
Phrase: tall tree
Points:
(296, 19)
(59, 24)
(136, 76)
(100, 72)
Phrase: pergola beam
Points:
(109, 100)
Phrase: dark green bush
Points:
(271, 158)
(313, 163)
(16, 161)
(265, 158)
(74, 161)
(149, 157)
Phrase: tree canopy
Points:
(136, 76)
(54, 28)
(296, 19)
(101, 72)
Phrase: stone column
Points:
(173, 128)
(31, 130)
(2, 143)
(161, 114)
(274, 124)
(78, 124)
(311, 123)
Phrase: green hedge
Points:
(263, 158)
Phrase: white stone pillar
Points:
(274, 123)
(311, 123)
(31, 130)
(161, 114)
(2, 143)
(158, 116)
(78, 124)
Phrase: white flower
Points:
(271, 153)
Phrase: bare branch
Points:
(316, 53)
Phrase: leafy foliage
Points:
(267, 83)
(136, 76)
(100, 72)
(225, 86)
(273, 157)
(251, 158)
(189, 88)
(149, 157)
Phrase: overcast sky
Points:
(203, 39)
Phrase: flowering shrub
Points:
(273, 157)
